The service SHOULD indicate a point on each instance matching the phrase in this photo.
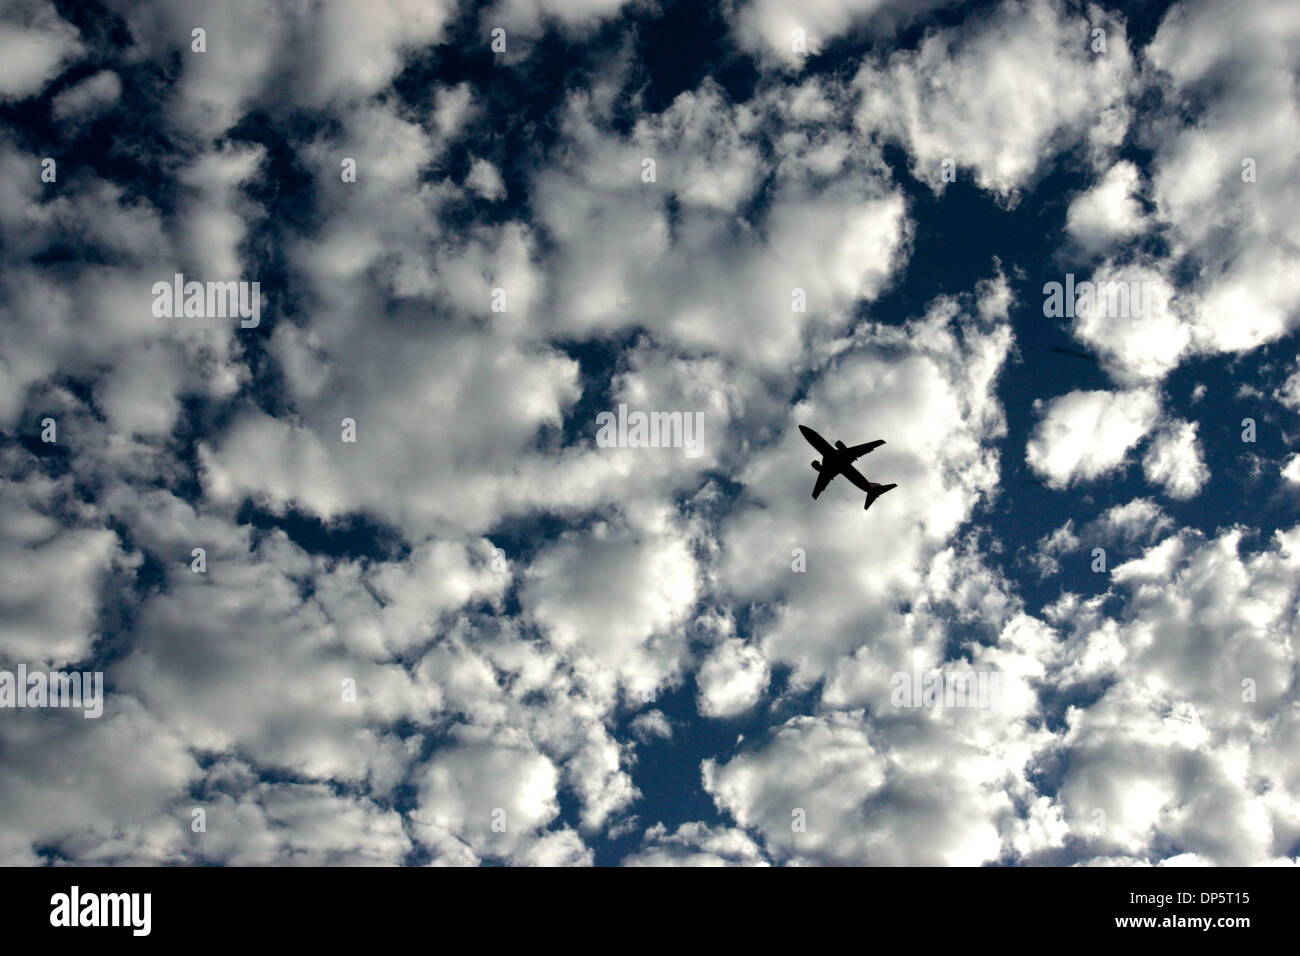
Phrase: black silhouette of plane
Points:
(838, 460)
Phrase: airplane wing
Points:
(857, 451)
(823, 447)
(823, 479)
(855, 476)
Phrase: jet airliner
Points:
(838, 459)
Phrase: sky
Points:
(366, 584)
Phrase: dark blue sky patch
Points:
(677, 50)
(128, 144)
(198, 419)
(353, 536)
(599, 361)
(287, 188)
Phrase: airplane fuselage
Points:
(839, 464)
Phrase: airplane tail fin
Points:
(876, 492)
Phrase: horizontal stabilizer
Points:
(876, 492)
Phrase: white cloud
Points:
(531, 17)
(91, 96)
(50, 573)
(1052, 546)
(1241, 235)
(1109, 211)
(821, 792)
(831, 225)
(484, 179)
(1291, 470)
(263, 54)
(1084, 435)
(1175, 462)
(964, 94)
(109, 790)
(1196, 666)
(494, 795)
(1289, 393)
(1124, 528)
(1140, 521)
(697, 844)
(652, 724)
(1136, 320)
(263, 824)
(767, 27)
(616, 599)
(1198, 662)
(35, 45)
(731, 679)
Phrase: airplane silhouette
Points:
(838, 460)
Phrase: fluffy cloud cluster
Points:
(965, 96)
(506, 618)
(1221, 185)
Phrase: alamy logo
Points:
(982, 689)
(651, 430)
(1117, 300)
(103, 909)
(55, 689)
(208, 300)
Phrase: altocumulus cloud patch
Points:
(400, 404)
